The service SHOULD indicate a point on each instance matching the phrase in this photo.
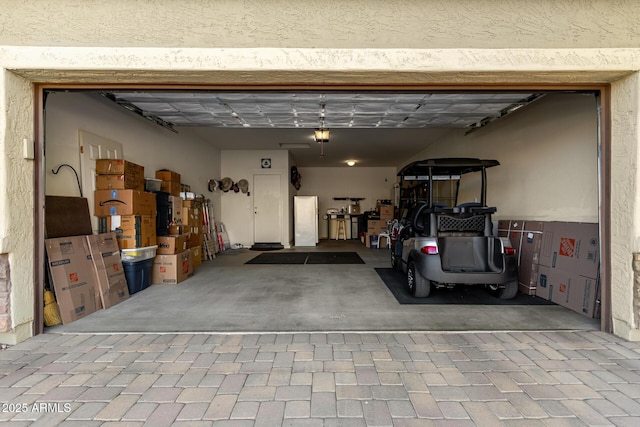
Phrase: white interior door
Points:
(267, 208)
(94, 147)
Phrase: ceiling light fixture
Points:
(351, 162)
(321, 135)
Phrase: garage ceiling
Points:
(373, 128)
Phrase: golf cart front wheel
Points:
(418, 286)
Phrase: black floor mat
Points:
(334, 258)
(396, 281)
(266, 247)
(307, 258)
(280, 258)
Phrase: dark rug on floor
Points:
(280, 258)
(334, 258)
(396, 281)
(307, 258)
(266, 247)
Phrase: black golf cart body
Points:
(444, 245)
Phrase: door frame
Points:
(603, 158)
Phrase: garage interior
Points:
(547, 146)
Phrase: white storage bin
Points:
(138, 254)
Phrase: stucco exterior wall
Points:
(625, 198)
(413, 24)
(16, 201)
(404, 42)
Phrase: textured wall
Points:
(16, 201)
(625, 200)
(316, 24)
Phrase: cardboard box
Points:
(170, 181)
(191, 216)
(376, 226)
(571, 246)
(72, 275)
(386, 212)
(196, 256)
(569, 290)
(124, 202)
(175, 229)
(112, 283)
(195, 240)
(118, 167)
(169, 245)
(371, 240)
(167, 175)
(132, 231)
(171, 269)
(119, 182)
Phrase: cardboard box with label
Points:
(571, 246)
(132, 231)
(72, 275)
(112, 283)
(119, 182)
(170, 181)
(570, 290)
(124, 202)
(171, 269)
(169, 245)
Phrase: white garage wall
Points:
(144, 143)
(548, 160)
(326, 183)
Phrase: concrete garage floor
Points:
(225, 295)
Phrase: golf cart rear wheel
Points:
(418, 286)
(509, 291)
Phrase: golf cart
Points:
(442, 245)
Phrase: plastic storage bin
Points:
(138, 254)
(152, 184)
(138, 274)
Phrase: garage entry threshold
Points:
(225, 295)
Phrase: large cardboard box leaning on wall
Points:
(571, 246)
(112, 282)
(73, 277)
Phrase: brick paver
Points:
(300, 379)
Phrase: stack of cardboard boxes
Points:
(558, 261)
(377, 226)
(122, 205)
(181, 251)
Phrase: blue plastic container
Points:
(138, 274)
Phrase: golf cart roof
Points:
(446, 166)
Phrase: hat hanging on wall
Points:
(213, 185)
(226, 184)
(235, 187)
(244, 186)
